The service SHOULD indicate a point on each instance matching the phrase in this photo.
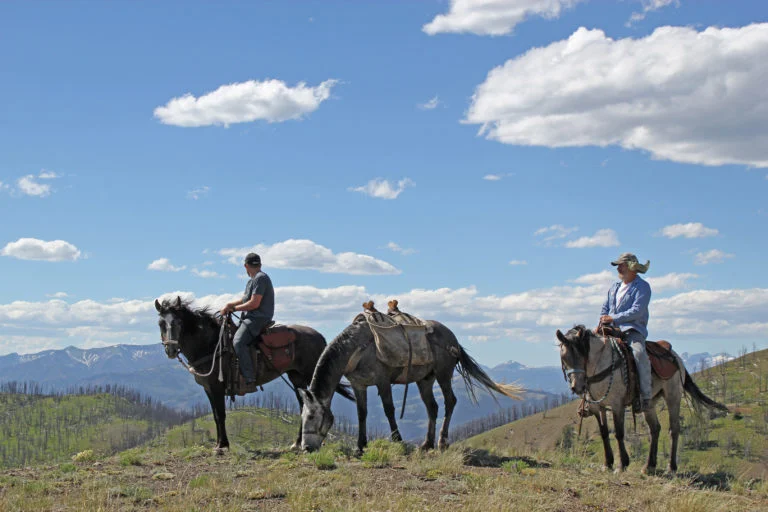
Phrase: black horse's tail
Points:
(345, 390)
(693, 390)
(470, 371)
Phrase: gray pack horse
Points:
(356, 342)
(195, 334)
(593, 368)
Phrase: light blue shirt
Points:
(632, 311)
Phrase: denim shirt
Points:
(632, 311)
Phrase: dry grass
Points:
(182, 480)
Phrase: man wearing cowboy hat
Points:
(626, 307)
(258, 307)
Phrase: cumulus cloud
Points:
(555, 232)
(308, 255)
(682, 95)
(602, 238)
(712, 256)
(383, 189)
(430, 105)
(648, 6)
(28, 186)
(493, 17)
(34, 249)
(270, 100)
(530, 316)
(207, 274)
(392, 246)
(164, 265)
(690, 230)
(518, 262)
(197, 193)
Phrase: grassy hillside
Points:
(38, 428)
(735, 446)
(387, 477)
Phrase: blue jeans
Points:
(246, 334)
(637, 342)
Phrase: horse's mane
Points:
(580, 336)
(331, 362)
(193, 318)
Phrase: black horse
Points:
(195, 333)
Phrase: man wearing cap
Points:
(626, 307)
(258, 307)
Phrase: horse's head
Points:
(574, 352)
(171, 323)
(316, 420)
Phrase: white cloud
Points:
(58, 295)
(164, 265)
(529, 316)
(308, 255)
(34, 249)
(392, 246)
(554, 232)
(492, 177)
(270, 100)
(648, 6)
(682, 95)
(518, 262)
(383, 189)
(431, 104)
(27, 185)
(197, 193)
(207, 274)
(48, 175)
(673, 281)
(713, 256)
(690, 230)
(602, 238)
(493, 17)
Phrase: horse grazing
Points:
(593, 367)
(355, 345)
(195, 333)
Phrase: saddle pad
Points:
(663, 361)
(278, 358)
(396, 341)
(278, 336)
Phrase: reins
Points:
(223, 335)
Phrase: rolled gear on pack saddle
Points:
(626, 307)
(258, 307)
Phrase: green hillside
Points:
(735, 445)
(37, 428)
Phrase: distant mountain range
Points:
(148, 370)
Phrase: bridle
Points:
(599, 376)
(327, 419)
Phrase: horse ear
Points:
(306, 395)
(561, 337)
(158, 307)
(177, 305)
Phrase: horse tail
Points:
(693, 390)
(470, 371)
(345, 390)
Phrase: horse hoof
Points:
(358, 453)
(648, 470)
(218, 451)
(442, 446)
(606, 468)
(295, 447)
(619, 470)
(425, 447)
(671, 471)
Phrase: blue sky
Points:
(482, 164)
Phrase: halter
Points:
(599, 376)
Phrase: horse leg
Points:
(654, 427)
(219, 417)
(618, 426)
(298, 382)
(428, 397)
(602, 422)
(385, 392)
(449, 401)
(361, 399)
(673, 407)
